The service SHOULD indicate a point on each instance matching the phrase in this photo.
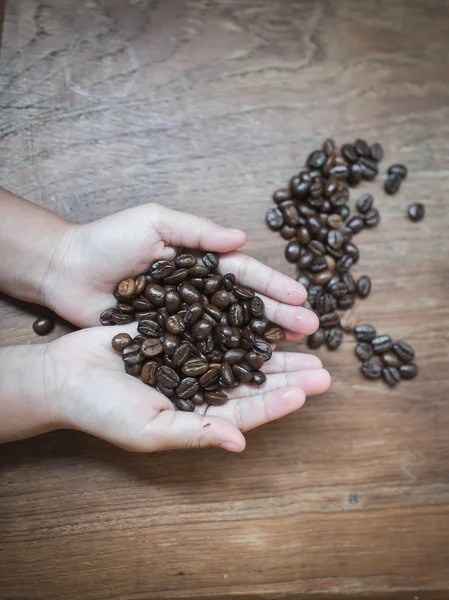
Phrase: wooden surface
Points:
(209, 106)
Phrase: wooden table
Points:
(209, 106)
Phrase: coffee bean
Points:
(126, 288)
(281, 195)
(329, 146)
(303, 236)
(263, 349)
(352, 251)
(363, 286)
(142, 304)
(209, 377)
(339, 289)
(176, 277)
(242, 293)
(254, 360)
(322, 278)
(292, 251)
(105, 317)
(346, 301)
(122, 318)
(162, 268)
(212, 311)
(139, 339)
(348, 321)
(44, 325)
(215, 398)
(364, 351)
(175, 324)
(201, 330)
(381, 344)
(334, 338)
(335, 221)
(213, 284)
(344, 212)
(314, 294)
(339, 171)
(348, 280)
(140, 284)
(344, 264)
(365, 333)
(198, 398)
(148, 373)
(362, 148)
(167, 377)
(275, 219)
(291, 215)
(195, 367)
(170, 343)
(372, 218)
(416, 212)
(242, 373)
(121, 341)
(235, 356)
(124, 308)
(256, 306)
(316, 159)
(316, 340)
(288, 232)
(409, 371)
(392, 184)
(355, 174)
(185, 261)
(329, 320)
(404, 351)
(193, 314)
(226, 375)
(132, 354)
(391, 376)
(247, 338)
(376, 152)
(133, 370)
(149, 328)
(326, 303)
(355, 224)
(189, 293)
(316, 247)
(335, 238)
(369, 168)
(258, 326)
(330, 262)
(319, 264)
(371, 370)
(211, 261)
(349, 153)
(365, 203)
(155, 294)
(274, 334)
(182, 353)
(398, 169)
(306, 260)
(258, 378)
(391, 360)
(299, 188)
(187, 388)
(152, 347)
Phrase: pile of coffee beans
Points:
(199, 332)
(313, 215)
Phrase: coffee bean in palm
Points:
(258, 325)
(274, 334)
(263, 349)
(234, 356)
(121, 341)
(133, 370)
(381, 344)
(170, 343)
(127, 287)
(371, 370)
(155, 294)
(275, 219)
(176, 277)
(329, 320)
(167, 377)
(242, 373)
(247, 339)
(209, 377)
(344, 264)
(376, 152)
(148, 373)
(365, 203)
(258, 377)
(372, 218)
(142, 304)
(194, 367)
(216, 398)
(140, 284)
(326, 303)
(397, 169)
(392, 184)
(315, 340)
(305, 261)
(416, 212)
(198, 270)
(193, 314)
(122, 318)
(152, 347)
(348, 321)
(162, 268)
(364, 351)
(334, 338)
(390, 359)
(185, 261)
(189, 293)
(211, 261)
(132, 354)
(346, 301)
(186, 337)
(254, 360)
(365, 332)
(363, 286)
(349, 153)
(404, 351)
(319, 264)
(149, 328)
(183, 404)
(243, 293)
(292, 251)
(175, 324)
(139, 339)
(256, 306)
(124, 308)
(188, 387)
(316, 159)
(212, 284)
(408, 371)
(226, 375)
(391, 376)
(198, 398)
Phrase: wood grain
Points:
(208, 107)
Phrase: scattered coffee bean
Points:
(44, 325)
(364, 351)
(391, 360)
(404, 351)
(363, 286)
(409, 371)
(334, 338)
(381, 344)
(392, 184)
(397, 169)
(391, 376)
(416, 212)
(348, 321)
(371, 370)
(365, 333)
(317, 339)
(376, 152)
(372, 218)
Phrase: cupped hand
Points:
(92, 393)
(96, 256)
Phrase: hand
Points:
(93, 393)
(93, 258)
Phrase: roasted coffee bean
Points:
(352, 251)
(234, 340)
(197, 399)
(329, 320)
(186, 337)
(242, 293)
(299, 188)
(392, 184)
(409, 371)
(126, 288)
(398, 169)
(376, 152)
(404, 351)
(288, 232)
(323, 277)
(355, 224)
(313, 225)
(316, 247)
(133, 370)
(330, 262)
(291, 215)
(242, 373)
(228, 282)
(330, 186)
(335, 221)
(254, 360)
(247, 316)
(168, 392)
(362, 148)
(390, 359)
(329, 146)
(339, 289)
(346, 301)
(369, 168)
(201, 329)
(303, 236)
(334, 279)
(334, 338)
(335, 239)
(215, 398)
(149, 328)
(214, 312)
(121, 341)
(198, 270)
(292, 251)
(364, 351)
(371, 370)
(193, 314)
(391, 376)
(348, 280)
(169, 362)
(365, 332)
(372, 218)
(132, 354)
(317, 339)
(167, 377)
(326, 303)
(211, 261)
(189, 293)
(339, 171)
(183, 404)
(381, 344)
(258, 326)
(195, 367)
(363, 286)
(142, 304)
(148, 373)
(140, 284)
(344, 212)
(264, 349)
(344, 264)
(152, 347)
(256, 306)
(315, 193)
(182, 353)
(258, 378)
(209, 377)
(234, 356)
(155, 294)
(149, 278)
(124, 308)
(275, 219)
(319, 264)
(43, 325)
(314, 294)
(176, 277)
(281, 195)
(365, 203)
(226, 375)
(349, 153)
(316, 159)
(162, 268)
(274, 334)
(247, 339)
(139, 339)
(213, 284)
(187, 388)
(416, 212)
(175, 324)
(170, 343)
(306, 260)
(236, 316)
(348, 321)
(122, 318)
(306, 211)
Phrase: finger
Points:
(286, 362)
(247, 413)
(292, 318)
(264, 279)
(182, 229)
(312, 382)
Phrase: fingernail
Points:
(231, 446)
(236, 231)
